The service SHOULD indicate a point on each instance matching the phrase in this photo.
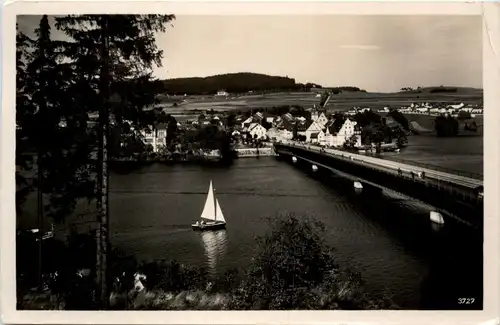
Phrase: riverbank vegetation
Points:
(449, 126)
(292, 268)
(377, 130)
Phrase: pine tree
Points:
(114, 56)
(24, 158)
(39, 124)
(44, 101)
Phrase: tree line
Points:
(242, 82)
(449, 126)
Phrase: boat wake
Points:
(152, 231)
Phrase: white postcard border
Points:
(491, 84)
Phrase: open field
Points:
(340, 102)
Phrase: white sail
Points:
(219, 214)
(209, 208)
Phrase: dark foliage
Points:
(400, 118)
(233, 83)
(51, 127)
(443, 90)
(375, 130)
(339, 90)
(294, 268)
(463, 115)
(446, 126)
(105, 65)
(367, 118)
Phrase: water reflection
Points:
(215, 244)
(436, 226)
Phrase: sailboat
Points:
(211, 217)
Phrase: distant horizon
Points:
(323, 86)
(378, 53)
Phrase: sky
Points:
(376, 53)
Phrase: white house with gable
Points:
(257, 131)
(347, 130)
(326, 136)
(314, 128)
(321, 119)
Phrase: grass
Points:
(341, 102)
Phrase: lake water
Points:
(389, 240)
(460, 153)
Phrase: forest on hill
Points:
(242, 82)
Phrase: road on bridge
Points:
(393, 166)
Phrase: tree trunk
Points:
(102, 201)
(40, 219)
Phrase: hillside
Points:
(242, 82)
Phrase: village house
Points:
(157, 137)
(314, 137)
(270, 119)
(258, 117)
(322, 119)
(287, 121)
(257, 131)
(302, 128)
(288, 117)
(222, 93)
(319, 116)
(246, 123)
(278, 121)
(332, 135)
(325, 138)
(313, 129)
(279, 134)
(348, 129)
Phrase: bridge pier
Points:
(436, 217)
(358, 187)
(448, 194)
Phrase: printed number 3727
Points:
(466, 301)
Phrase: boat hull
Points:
(206, 227)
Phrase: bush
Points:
(294, 269)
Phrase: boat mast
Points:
(215, 204)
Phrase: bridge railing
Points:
(437, 168)
(414, 163)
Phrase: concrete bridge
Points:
(454, 195)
